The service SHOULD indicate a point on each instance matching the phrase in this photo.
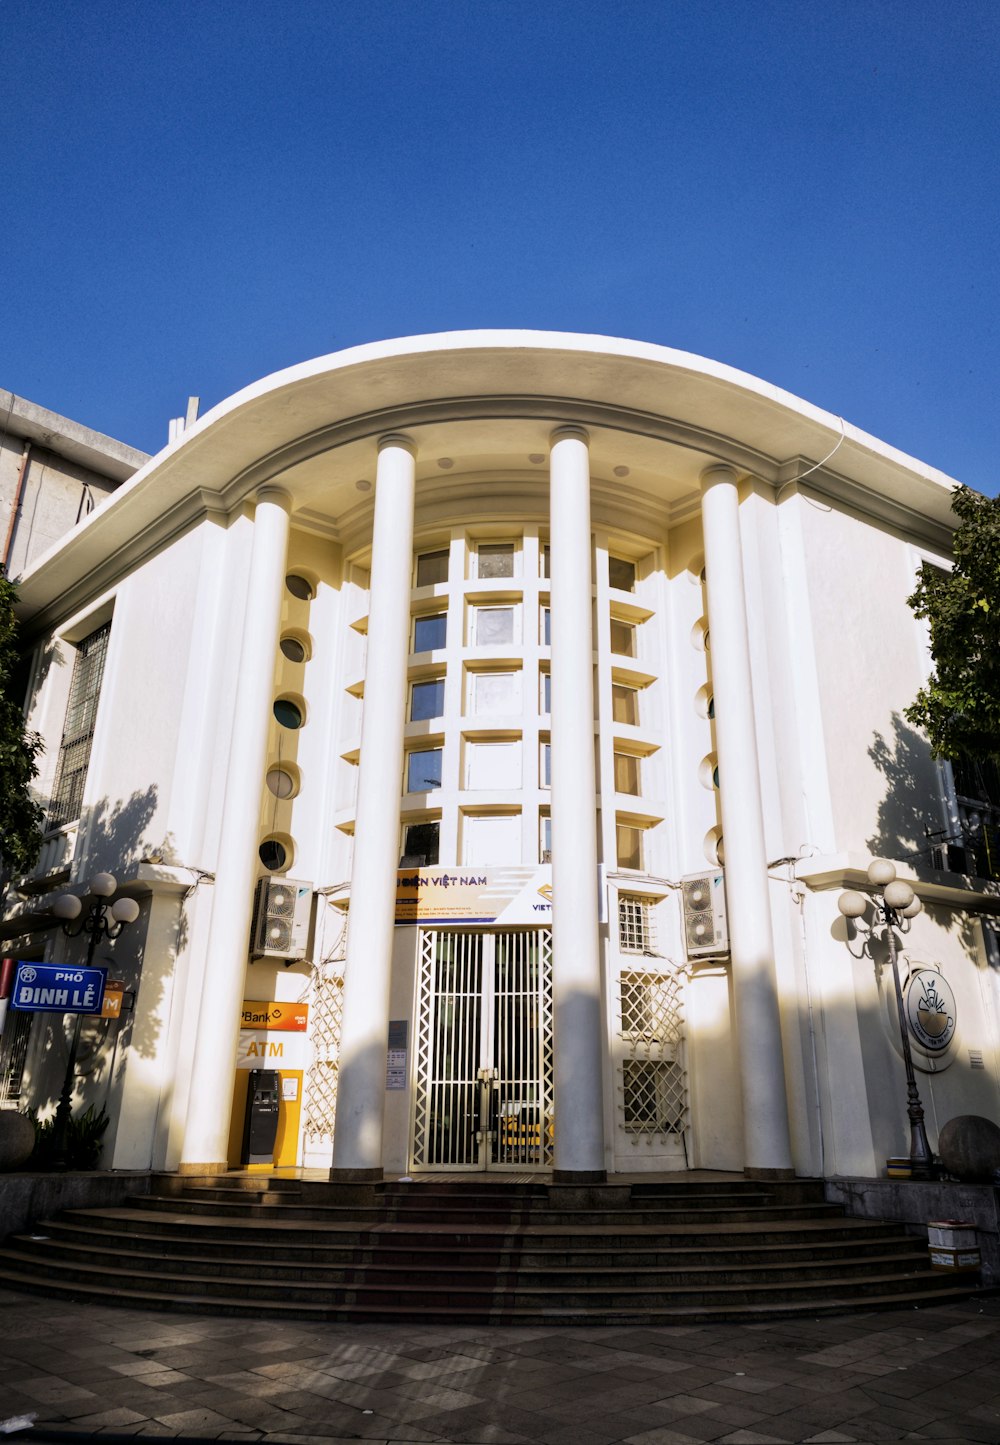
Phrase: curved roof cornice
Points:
(691, 401)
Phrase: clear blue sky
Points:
(197, 194)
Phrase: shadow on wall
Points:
(112, 838)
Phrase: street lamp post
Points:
(101, 920)
(896, 901)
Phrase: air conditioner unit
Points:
(281, 914)
(706, 929)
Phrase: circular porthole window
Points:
(273, 854)
(699, 635)
(704, 702)
(708, 772)
(288, 713)
(294, 648)
(300, 587)
(282, 782)
(712, 844)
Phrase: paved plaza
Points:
(927, 1374)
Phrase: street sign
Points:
(57, 988)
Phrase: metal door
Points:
(483, 1097)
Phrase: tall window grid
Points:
(78, 730)
(636, 930)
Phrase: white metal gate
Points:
(483, 1097)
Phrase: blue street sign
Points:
(57, 988)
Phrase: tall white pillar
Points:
(765, 1110)
(357, 1140)
(578, 1024)
(206, 1135)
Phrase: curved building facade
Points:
(487, 724)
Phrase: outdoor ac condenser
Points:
(281, 913)
(706, 930)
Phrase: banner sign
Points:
(507, 896)
(57, 988)
(276, 1017)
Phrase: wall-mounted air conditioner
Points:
(281, 914)
(706, 929)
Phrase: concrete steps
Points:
(483, 1252)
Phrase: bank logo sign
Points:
(930, 1010)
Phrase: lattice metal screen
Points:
(652, 1082)
(651, 1007)
(654, 1096)
(321, 1082)
(635, 924)
(484, 1086)
(13, 1054)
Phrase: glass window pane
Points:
(423, 770)
(288, 713)
(546, 765)
(429, 632)
(629, 846)
(495, 692)
(626, 773)
(494, 625)
(546, 626)
(421, 844)
(545, 562)
(622, 638)
(546, 692)
(496, 559)
(621, 574)
(545, 838)
(432, 567)
(427, 700)
(624, 704)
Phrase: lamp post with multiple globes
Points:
(896, 901)
(101, 920)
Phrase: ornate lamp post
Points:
(896, 902)
(101, 920)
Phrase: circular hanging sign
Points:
(930, 1010)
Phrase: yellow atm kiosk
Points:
(274, 1037)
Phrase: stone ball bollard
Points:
(17, 1139)
(969, 1148)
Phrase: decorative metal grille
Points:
(654, 1096)
(78, 729)
(321, 1084)
(484, 1086)
(652, 1083)
(13, 1055)
(651, 1008)
(635, 924)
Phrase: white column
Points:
(206, 1135)
(357, 1140)
(576, 955)
(765, 1110)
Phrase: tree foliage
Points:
(959, 709)
(20, 815)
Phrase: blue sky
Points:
(200, 193)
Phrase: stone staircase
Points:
(478, 1251)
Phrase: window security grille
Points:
(651, 1008)
(635, 924)
(654, 1096)
(78, 730)
(321, 1090)
(13, 1055)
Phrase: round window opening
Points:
(281, 782)
(288, 713)
(299, 587)
(272, 854)
(293, 649)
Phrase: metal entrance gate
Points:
(483, 1097)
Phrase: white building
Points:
(485, 642)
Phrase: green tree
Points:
(959, 709)
(20, 815)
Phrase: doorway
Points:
(483, 1096)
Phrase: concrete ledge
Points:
(25, 1198)
(913, 1202)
